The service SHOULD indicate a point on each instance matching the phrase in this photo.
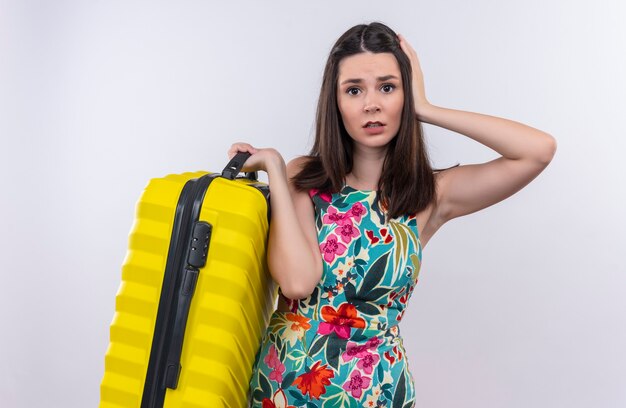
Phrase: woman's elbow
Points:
(298, 285)
(549, 149)
(296, 291)
(299, 280)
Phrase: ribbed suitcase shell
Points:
(230, 308)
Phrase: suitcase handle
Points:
(234, 166)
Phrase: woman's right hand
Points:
(260, 159)
(293, 254)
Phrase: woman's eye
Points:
(353, 91)
(387, 88)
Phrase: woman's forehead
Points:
(368, 65)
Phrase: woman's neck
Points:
(366, 170)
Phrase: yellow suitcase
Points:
(196, 271)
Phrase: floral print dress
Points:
(341, 346)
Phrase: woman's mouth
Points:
(374, 128)
(373, 124)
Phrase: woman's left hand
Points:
(419, 92)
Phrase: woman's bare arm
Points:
(525, 152)
(293, 253)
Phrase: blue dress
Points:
(341, 346)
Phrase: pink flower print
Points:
(335, 217)
(324, 195)
(373, 343)
(347, 231)
(331, 248)
(271, 359)
(357, 383)
(354, 350)
(277, 373)
(368, 362)
(357, 211)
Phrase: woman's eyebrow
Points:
(358, 80)
(387, 78)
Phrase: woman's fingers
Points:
(404, 44)
(408, 50)
(240, 147)
(255, 161)
(260, 159)
(419, 92)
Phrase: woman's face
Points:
(370, 97)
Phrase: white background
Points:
(520, 305)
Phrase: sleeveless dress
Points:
(341, 346)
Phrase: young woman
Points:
(350, 221)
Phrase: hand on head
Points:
(419, 91)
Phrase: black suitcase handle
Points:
(234, 166)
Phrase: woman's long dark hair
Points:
(407, 184)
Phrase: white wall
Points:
(520, 305)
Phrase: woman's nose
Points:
(371, 106)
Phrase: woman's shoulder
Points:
(295, 170)
(303, 171)
(295, 165)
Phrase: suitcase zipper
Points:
(185, 257)
(196, 259)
